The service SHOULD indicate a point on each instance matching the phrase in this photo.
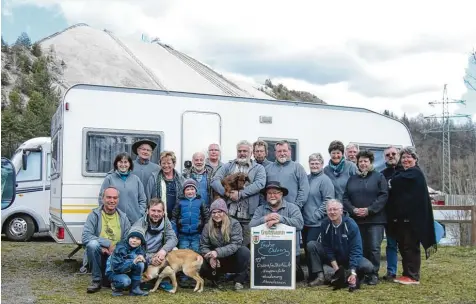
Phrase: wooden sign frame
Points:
(261, 234)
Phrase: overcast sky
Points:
(394, 55)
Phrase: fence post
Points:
(473, 226)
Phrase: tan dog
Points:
(185, 260)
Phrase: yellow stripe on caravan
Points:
(80, 205)
(77, 211)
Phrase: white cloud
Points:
(366, 53)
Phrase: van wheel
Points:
(20, 228)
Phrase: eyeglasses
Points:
(145, 149)
(393, 154)
(273, 192)
(334, 209)
(243, 151)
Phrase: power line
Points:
(446, 131)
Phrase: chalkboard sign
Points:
(273, 257)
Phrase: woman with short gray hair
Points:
(314, 209)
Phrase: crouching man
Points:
(103, 229)
(159, 235)
(341, 246)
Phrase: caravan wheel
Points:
(20, 228)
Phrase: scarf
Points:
(123, 175)
(337, 169)
(365, 173)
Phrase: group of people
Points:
(341, 210)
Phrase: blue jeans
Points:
(122, 280)
(189, 241)
(392, 254)
(94, 254)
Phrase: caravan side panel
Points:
(312, 127)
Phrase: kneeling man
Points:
(278, 210)
(341, 246)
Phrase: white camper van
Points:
(94, 123)
(29, 211)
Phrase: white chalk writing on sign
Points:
(267, 248)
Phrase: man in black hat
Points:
(278, 210)
(143, 167)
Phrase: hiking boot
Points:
(239, 286)
(406, 281)
(135, 289)
(116, 291)
(318, 281)
(166, 286)
(372, 280)
(389, 277)
(94, 287)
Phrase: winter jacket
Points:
(290, 215)
(344, 243)
(154, 188)
(223, 249)
(132, 200)
(190, 215)
(144, 171)
(293, 177)
(340, 180)
(369, 192)
(321, 190)
(93, 224)
(250, 194)
(122, 258)
(389, 172)
(161, 237)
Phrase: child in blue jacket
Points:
(126, 264)
(190, 215)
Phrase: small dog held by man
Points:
(235, 181)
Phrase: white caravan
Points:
(29, 211)
(94, 123)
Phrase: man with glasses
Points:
(103, 229)
(351, 152)
(242, 204)
(278, 210)
(214, 155)
(392, 158)
(341, 246)
(143, 167)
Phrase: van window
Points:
(102, 148)
(271, 154)
(48, 166)
(33, 168)
(379, 157)
(55, 155)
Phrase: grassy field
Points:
(35, 272)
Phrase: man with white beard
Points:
(242, 204)
(293, 177)
(202, 174)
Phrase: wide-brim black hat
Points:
(138, 143)
(274, 185)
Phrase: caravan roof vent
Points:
(266, 119)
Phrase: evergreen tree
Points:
(24, 40)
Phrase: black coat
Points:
(410, 201)
(369, 192)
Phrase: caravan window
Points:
(55, 155)
(271, 142)
(33, 168)
(102, 147)
(379, 157)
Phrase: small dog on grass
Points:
(185, 260)
(339, 280)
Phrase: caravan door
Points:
(199, 129)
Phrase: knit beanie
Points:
(219, 204)
(137, 232)
(190, 182)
